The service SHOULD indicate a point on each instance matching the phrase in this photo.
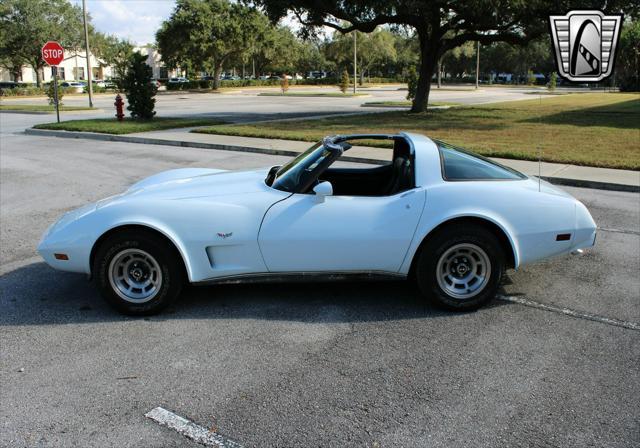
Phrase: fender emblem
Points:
(224, 236)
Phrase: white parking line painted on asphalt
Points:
(572, 313)
(630, 232)
(189, 429)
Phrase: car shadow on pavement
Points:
(38, 295)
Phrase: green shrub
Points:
(139, 90)
(51, 94)
(174, 86)
(553, 81)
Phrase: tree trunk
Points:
(217, 69)
(439, 73)
(38, 75)
(17, 73)
(428, 62)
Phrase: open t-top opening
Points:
(314, 165)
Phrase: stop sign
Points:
(52, 53)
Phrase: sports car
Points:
(450, 219)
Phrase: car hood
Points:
(193, 183)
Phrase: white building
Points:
(154, 60)
(74, 68)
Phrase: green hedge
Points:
(23, 91)
(200, 84)
(38, 91)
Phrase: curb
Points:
(281, 152)
(200, 145)
(42, 112)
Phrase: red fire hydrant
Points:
(119, 108)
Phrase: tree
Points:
(440, 25)
(278, 50)
(344, 82)
(204, 34)
(25, 25)
(113, 52)
(284, 84)
(627, 68)
(374, 49)
(140, 91)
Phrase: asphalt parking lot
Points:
(355, 364)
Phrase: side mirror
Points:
(321, 190)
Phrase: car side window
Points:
(460, 164)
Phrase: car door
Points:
(343, 233)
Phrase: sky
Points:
(136, 20)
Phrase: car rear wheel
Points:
(138, 273)
(460, 267)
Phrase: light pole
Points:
(87, 54)
(355, 60)
(478, 66)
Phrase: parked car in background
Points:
(98, 83)
(110, 83)
(156, 83)
(317, 75)
(73, 86)
(178, 80)
(8, 85)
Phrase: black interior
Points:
(385, 180)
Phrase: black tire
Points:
(169, 273)
(451, 241)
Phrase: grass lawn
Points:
(325, 94)
(128, 126)
(594, 129)
(41, 107)
(403, 104)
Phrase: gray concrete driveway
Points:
(356, 364)
(248, 106)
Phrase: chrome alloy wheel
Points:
(135, 275)
(463, 271)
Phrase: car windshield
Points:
(290, 175)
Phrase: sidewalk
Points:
(558, 173)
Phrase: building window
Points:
(78, 73)
(60, 73)
(164, 73)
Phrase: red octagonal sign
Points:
(52, 53)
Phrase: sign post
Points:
(54, 70)
(53, 54)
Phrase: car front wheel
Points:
(460, 267)
(138, 273)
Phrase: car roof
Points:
(425, 151)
